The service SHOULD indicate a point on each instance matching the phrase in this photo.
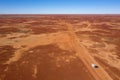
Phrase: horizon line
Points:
(62, 14)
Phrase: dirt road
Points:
(81, 52)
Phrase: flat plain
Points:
(59, 47)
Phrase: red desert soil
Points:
(59, 47)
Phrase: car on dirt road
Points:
(94, 65)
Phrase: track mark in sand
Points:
(16, 57)
(34, 71)
(81, 52)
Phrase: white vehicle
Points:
(94, 65)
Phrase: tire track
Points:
(81, 52)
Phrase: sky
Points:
(59, 6)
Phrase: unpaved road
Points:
(99, 73)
